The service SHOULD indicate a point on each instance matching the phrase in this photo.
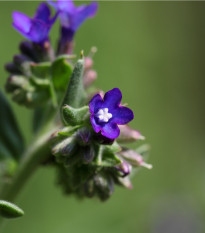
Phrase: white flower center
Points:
(103, 115)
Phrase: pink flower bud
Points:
(128, 134)
(135, 159)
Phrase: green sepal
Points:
(106, 155)
(10, 210)
(75, 93)
(109, 159)
(61, 71)
(68, 131)
(73, 116)
(30, 98)
(11, 141)
(16, 81)
(41, 70)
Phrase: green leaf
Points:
(10, 210)
(75, 94)
(11, 142)
(61, 71)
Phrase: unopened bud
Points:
(89, 188)
(19, 59)
(15, 81)
(27, 49)
(88, 154)
(104, 186)
(89, 77)
(12, 68)
(19, 96)
(64, 147)
(83, 136)
(135, 159)
(127, 134)
(88, 63)
(125, 168)
(125, 181)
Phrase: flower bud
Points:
(134, 158)
(14, 82)
(65, 147)
(104, 186)
(83, 136)
(12, 68)
(88, 63)
(127, 134)
(124, 168)
(19, 59)
(88, 154)
(125, 181)
(89, 188)
(27, 49)
(89, 77)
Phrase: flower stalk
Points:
(36, 153)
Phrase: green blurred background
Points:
(154, 52)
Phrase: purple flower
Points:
(72, 17)
(107, 113)
(37, 28)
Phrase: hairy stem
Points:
(37, 152)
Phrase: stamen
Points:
(103, 115)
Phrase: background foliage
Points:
(154, 52)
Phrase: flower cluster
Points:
(88, 152)
(87, 147)
(34, 77)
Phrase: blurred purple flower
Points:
(107, 113)
(37, 28)
(72, 17)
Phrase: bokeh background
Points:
(154, 52)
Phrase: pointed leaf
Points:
(11, 141)
(9, 210)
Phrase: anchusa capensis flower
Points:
(71, 18)
(107, 114)
(35, 29)
(88, 143)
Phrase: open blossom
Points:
(71, 17)
(107, 113)
(37, 28)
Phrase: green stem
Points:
(36, 153)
